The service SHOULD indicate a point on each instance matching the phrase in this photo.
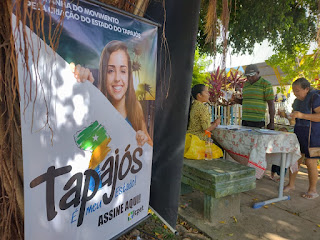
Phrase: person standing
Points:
(255, 94)
(306, 111)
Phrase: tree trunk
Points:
(11, 165)
(11, 168)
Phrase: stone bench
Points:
(221, 181)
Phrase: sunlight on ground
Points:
(287, 226)
(272, 236)
(250, 236)
(269, 236)
(267, 219)
(303, 173)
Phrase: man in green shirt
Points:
(255, 94)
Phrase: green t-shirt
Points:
(254, 100)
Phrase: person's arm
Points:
(271, 114)
(146, 139)
(314, 117)
(143, 137)
(205, 120)
(236, 100)
(82, 74)
(269, 98)
(214, 125)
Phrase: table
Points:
(254, 147)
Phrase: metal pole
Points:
(164, 221)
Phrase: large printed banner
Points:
(87, 121)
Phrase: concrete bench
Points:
(221, 181)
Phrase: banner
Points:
(86, 121)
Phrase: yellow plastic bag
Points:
(195, 148)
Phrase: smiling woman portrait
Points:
(116, 83)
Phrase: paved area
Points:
(293, 219)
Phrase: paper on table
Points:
(244, 130)
(233, 127)
(222, 126)
(229, 127)
(267, 131)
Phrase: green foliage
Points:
(285, 23)
(217, 82)
(297, 64)
(201, 62)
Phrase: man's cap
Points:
(251, 70)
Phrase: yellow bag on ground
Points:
(195, 148)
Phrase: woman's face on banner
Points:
(117, 76)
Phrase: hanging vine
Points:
(211, 26)
(225, 25)
(216, 27)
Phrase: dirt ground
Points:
(294, 219)
(154, 229)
